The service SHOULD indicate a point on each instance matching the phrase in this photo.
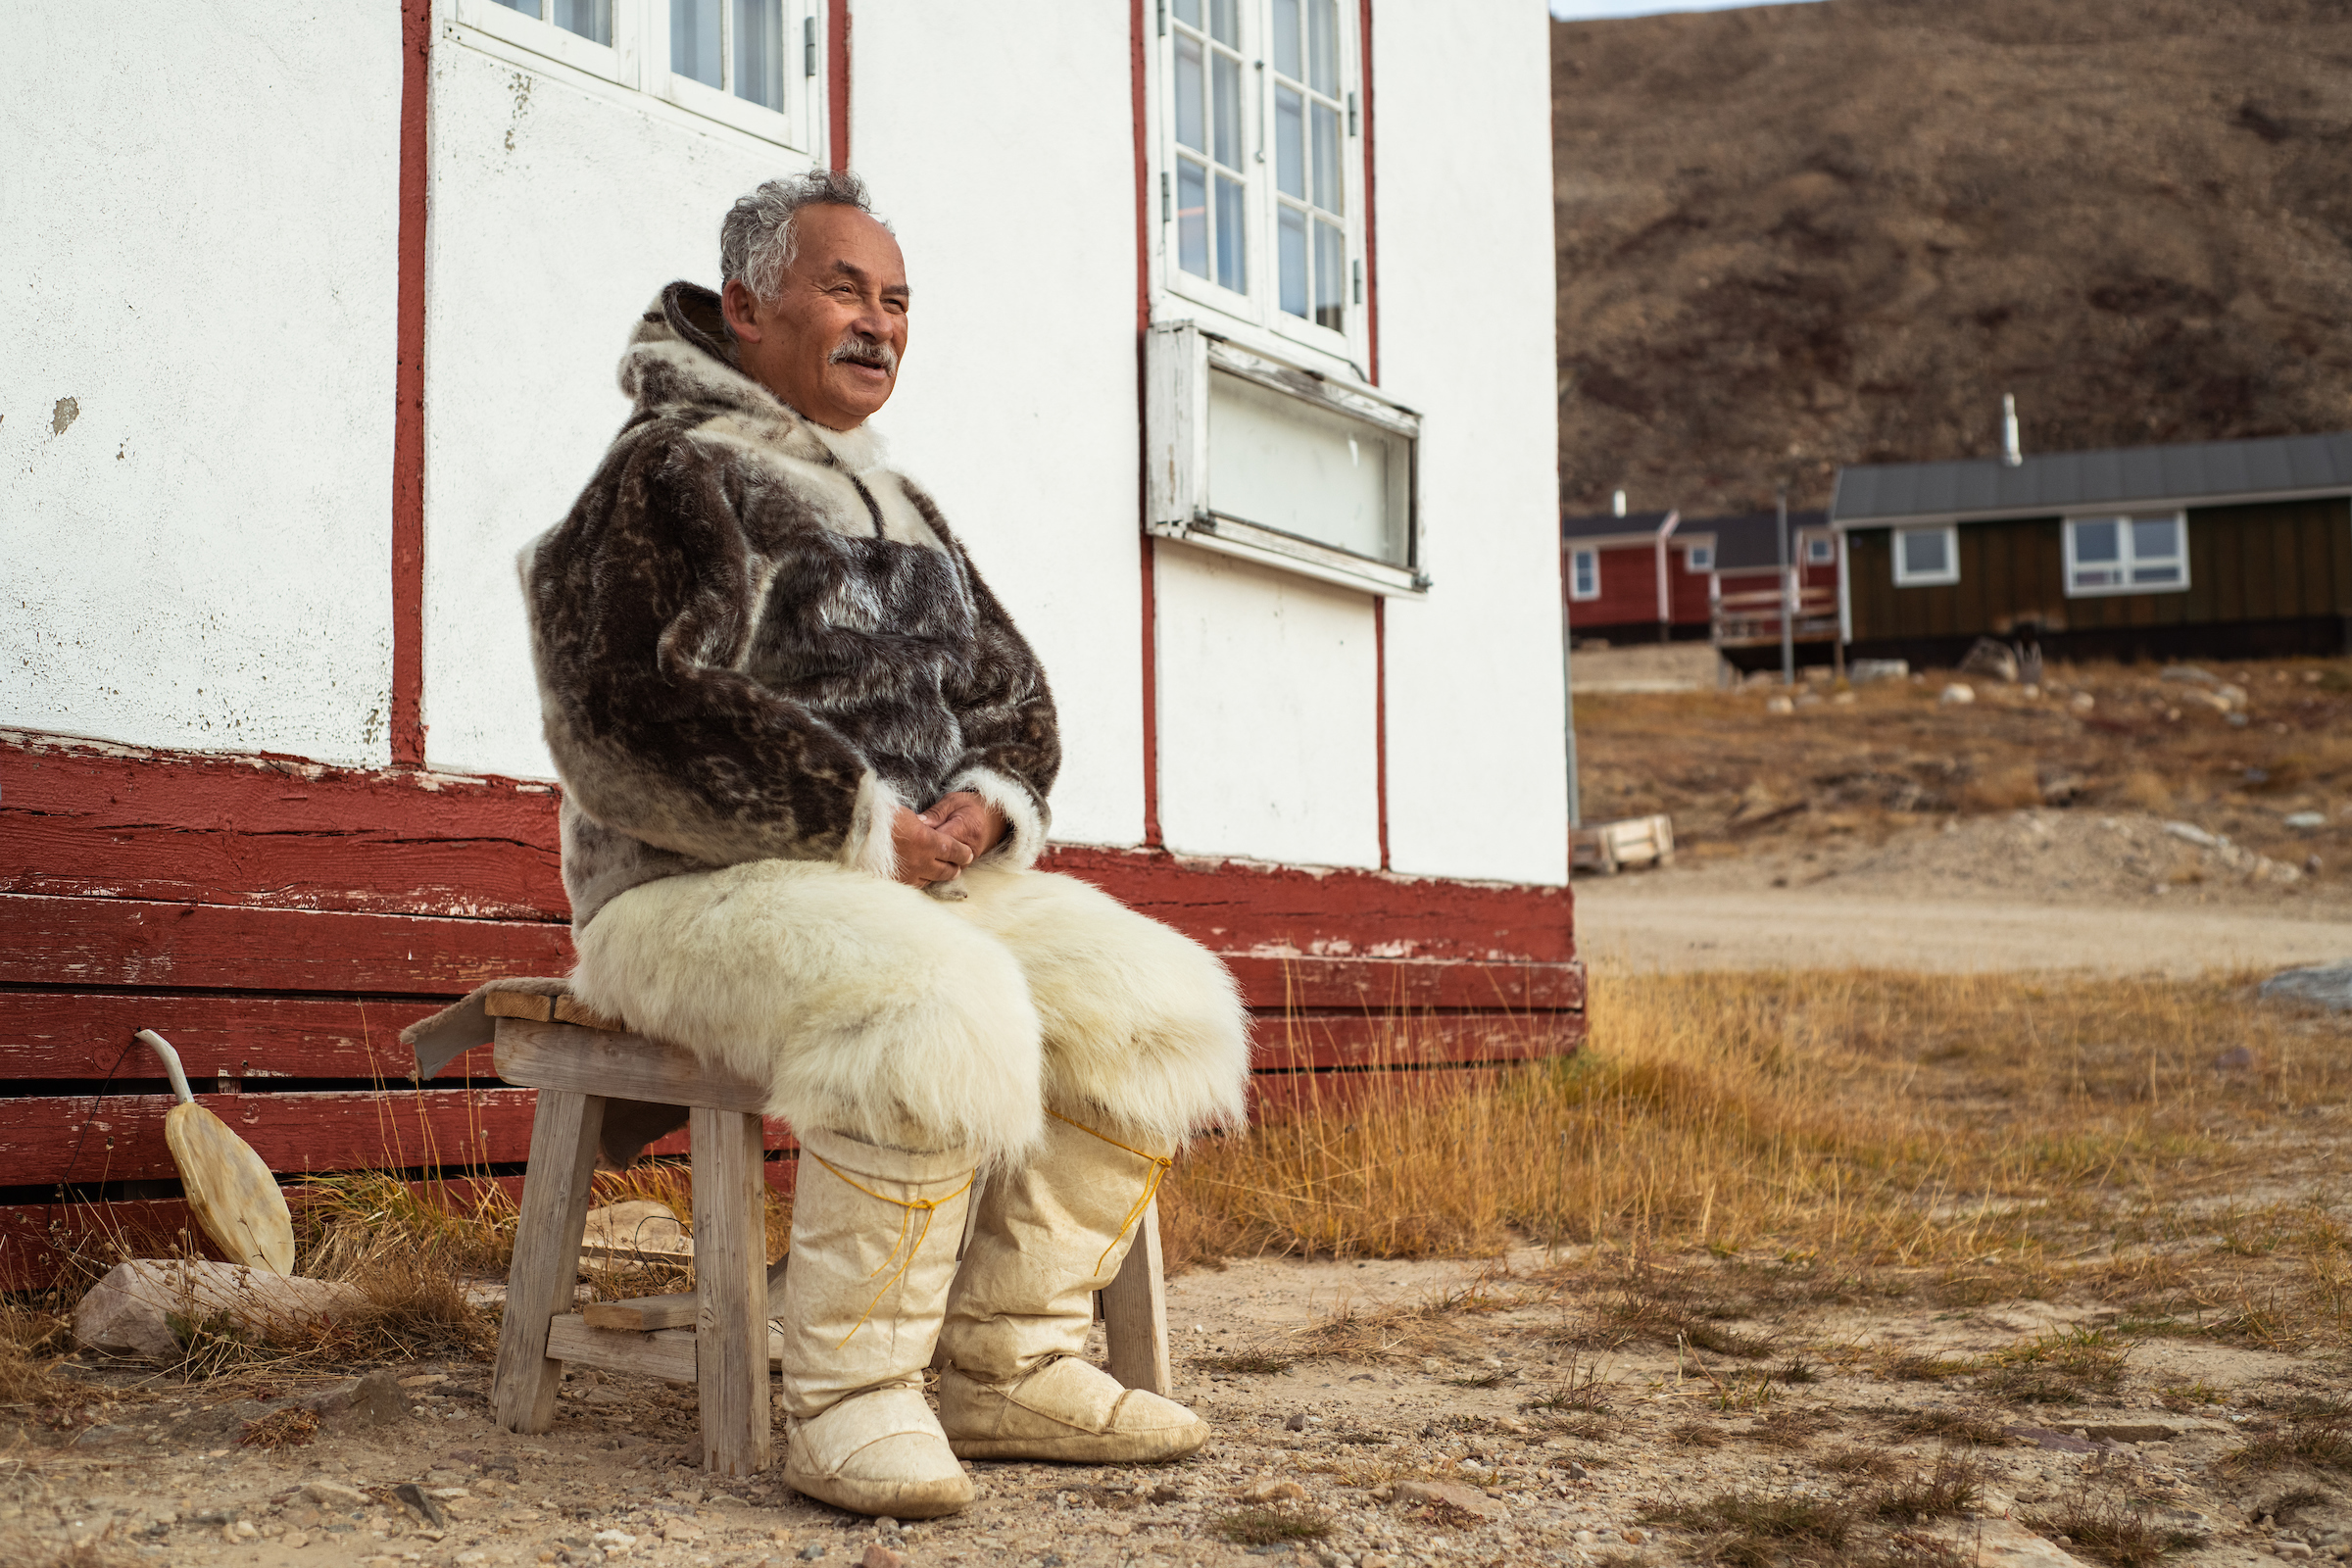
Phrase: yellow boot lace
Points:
(906, 1209)
(1161, 1164)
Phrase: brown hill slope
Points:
(1796, 236)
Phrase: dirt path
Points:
(1674, 921)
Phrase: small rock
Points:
(412, 1497)
(1957, 692)
(604, 1393)
(295, 1539)
(2305, 821)
(1779, 705)
(1468, 1502)
(1296, 1422)
(878, 1556)
(1117, 1527)
(334, 1496)
(2082, 702)
(2328, 986)
(1576, 1472)
(811, 1552)
(1275, 1492)
(1633, 1538)
(127, 1312)
(2190, 833)
(2189, 673)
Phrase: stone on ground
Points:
(129, 1313)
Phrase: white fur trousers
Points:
(876, 1011)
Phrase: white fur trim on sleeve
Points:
(1026, 817)
(869, 847)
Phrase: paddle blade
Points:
(234, 1196)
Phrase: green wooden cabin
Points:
(2216, 550)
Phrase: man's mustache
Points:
(865, 351)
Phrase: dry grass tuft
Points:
(2321, 1439)
(1271, 1526)
(2064, 1367)
(1958, 1427)
(31, 1343)
(2108, 1529)
(1952, 1488)
(289, 1428)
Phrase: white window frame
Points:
(1820, 550)
(1927, 579)
(638, 61)
(1258, 307)
(1180, 360)
(1698, 557)
(1580, 559)
(2125, 561)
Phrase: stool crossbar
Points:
(716, 1335)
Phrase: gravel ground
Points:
(1454, 1436)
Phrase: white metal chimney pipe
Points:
(1617, 504)
(2010, 452)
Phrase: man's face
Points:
(831, 340)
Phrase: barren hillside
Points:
(1796, 236)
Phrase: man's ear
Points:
(736, 304)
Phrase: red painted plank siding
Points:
(1628, 591)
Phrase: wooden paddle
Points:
(234, 1196)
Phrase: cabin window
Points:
(1261, 166)
(1820, 550)
(2127, 555)
(750, 63)
(1584, 575)
(1701, 558)
(1924, 556)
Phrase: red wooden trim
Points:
(87, 1035)
(837, 80)
(408, 396)
(1392, 984)
(1321, 1038)
(60, 943)
(1371, 230)
(1147, 548)
(1379, 717)
(479, 860)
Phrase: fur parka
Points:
(755, 641)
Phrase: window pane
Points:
(1190, 130)
(1232, 230)
(759, 51)
(592, 19)
(529, 7)
(2099, 541)
(1225, 21)
(2156, 574)
(1290, 142)
(694, 41)
(1286, 39)
(1282, 463)
(1327, 159)
(1228, 72)
(1191, 218)
(1291, 249)
(1323, 46)
(2155, 539)
(1924, 553)
(1188, 11)
(1331, 274)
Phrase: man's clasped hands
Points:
(938, 843)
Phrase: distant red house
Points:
(1636, 577)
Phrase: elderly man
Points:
(805, 758)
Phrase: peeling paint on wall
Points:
(67, 409)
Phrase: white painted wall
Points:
(1001, 153)
(198, 223)
(559, 206)
(1462, 140)
(1268, 713)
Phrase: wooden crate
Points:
(1609, 847)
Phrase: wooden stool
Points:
(717, 1335)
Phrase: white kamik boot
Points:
(874, 1232)
(1013, 1383)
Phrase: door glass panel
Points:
(1232, 227)
(1327, 159)
(1331, 273)
(529, 7)
(759, 51)
(1290, 250)
(1286, 38)
(1191, 218)
(1225, 21)
(592, 19)
(1290, 150)
(1188, 11)
(1191, 131)
(1228, 72)
(2099, 541)
(1323, 46)
(694, 41)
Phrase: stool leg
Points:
(1135, 1314)
(730, 1278)
(547, 1256)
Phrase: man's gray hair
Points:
(755, 240)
